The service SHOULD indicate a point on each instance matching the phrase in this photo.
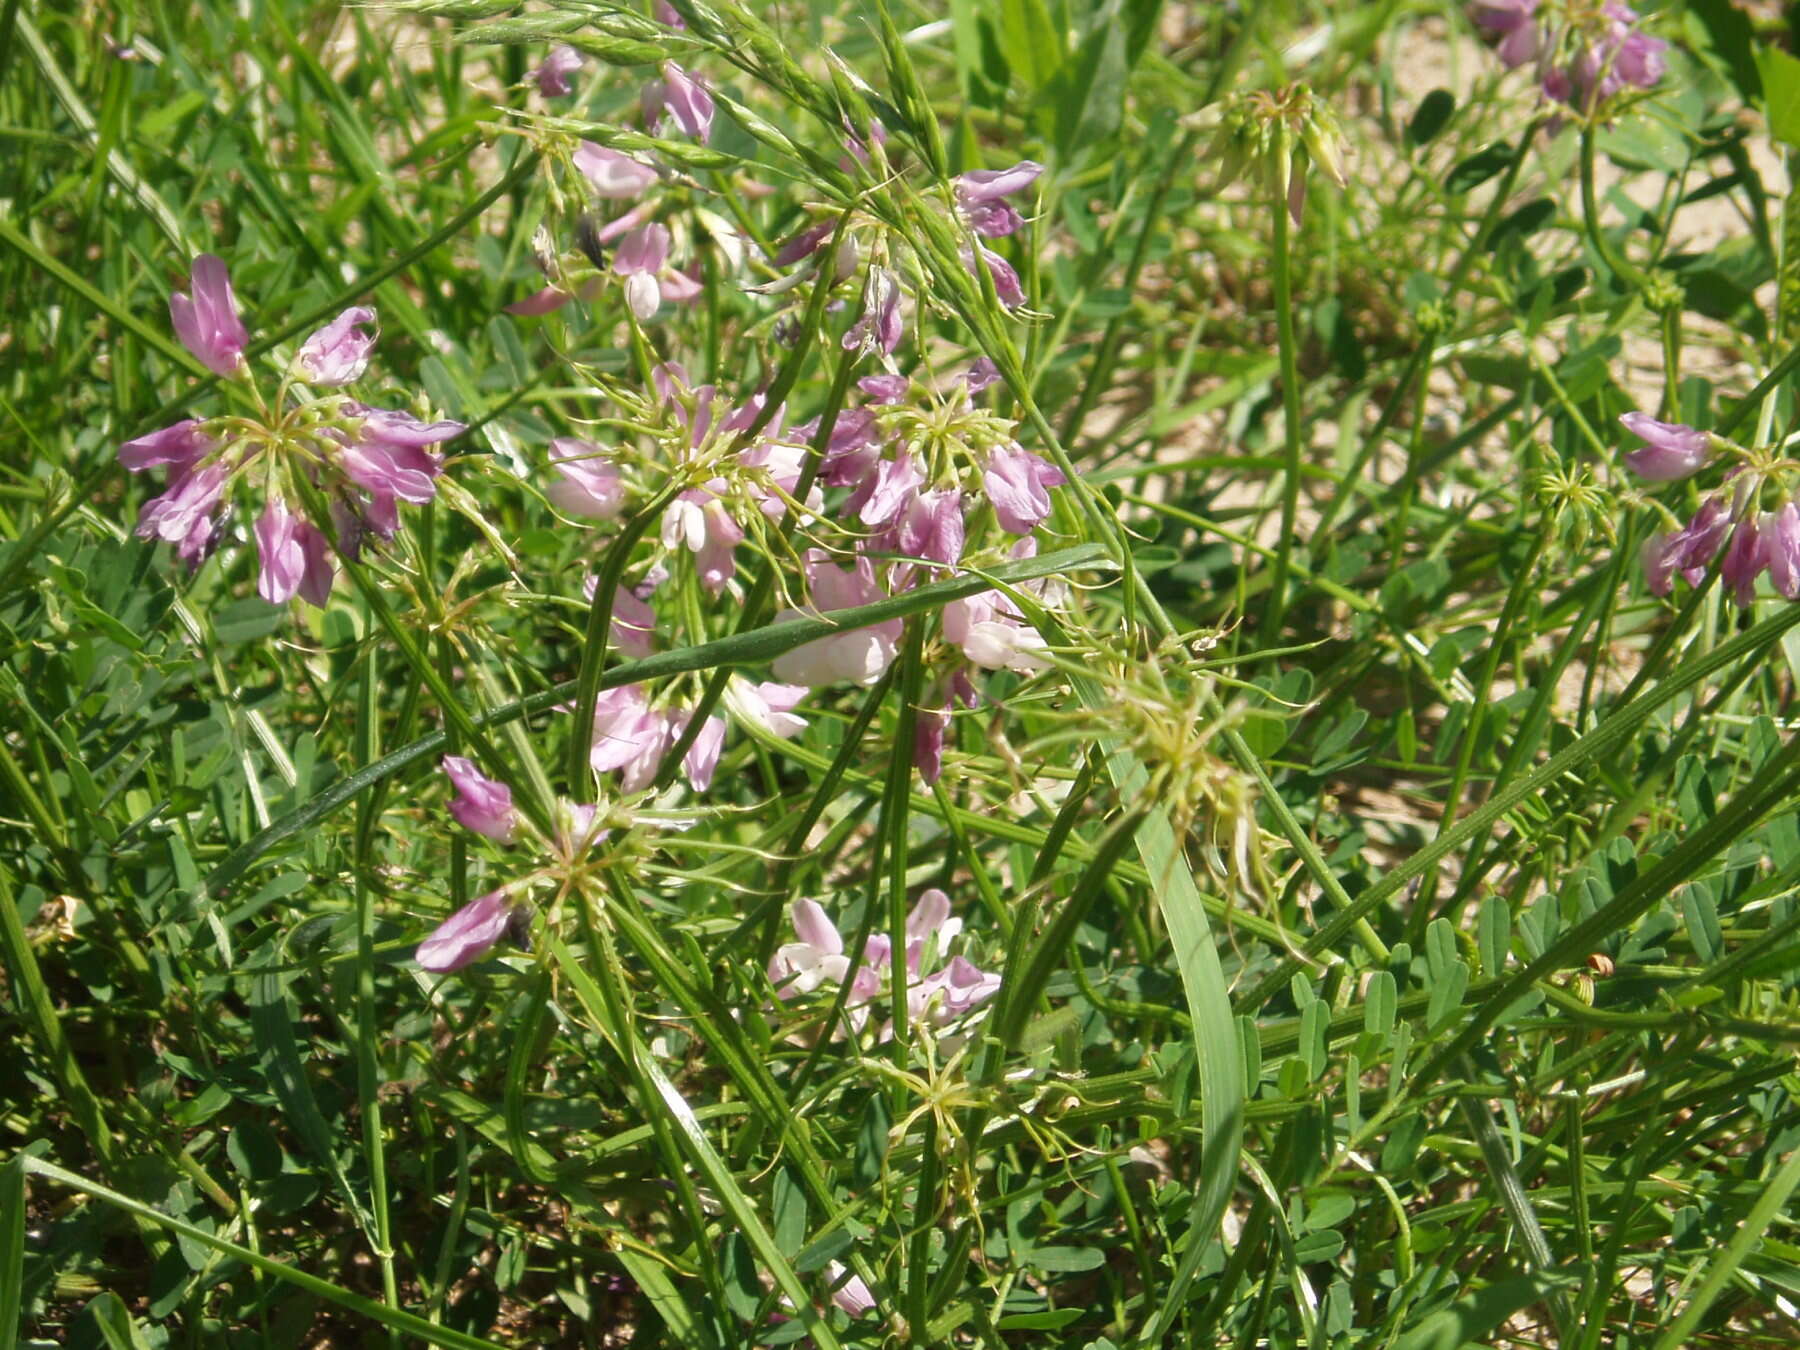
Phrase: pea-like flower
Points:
(682, 99)
(481, 804)
(469, 934)
(981, 195)
(643, 260)
(1671, 451)
(587, 484)
(612, 174)
(339, 352)
(860, 655)
(1018, 484)
(296, 559)
(553, 75)
(947, 994)
(207, 320)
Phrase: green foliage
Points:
(1395, 904)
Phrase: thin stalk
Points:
(1627, 272)
(368, 1068)
(1289, 351)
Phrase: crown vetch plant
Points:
(363, 460)
(1002, 733)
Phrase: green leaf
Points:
(1771, 1202)
(12, 1242)
(115, 1323)
(272, 1020)
(1088, 94)
(1477, 168)
(1430, 117)
(1780, 74)
(1379, 1004)
(1733, 41)
(1031, 42)
(1470, 1319)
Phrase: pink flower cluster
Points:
(365, 459)
(945, 996)
(632, 738)
(1754, 540)
(485, 806)
(1584, 55)
(981, 205)
(677, 103)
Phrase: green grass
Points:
(1393, 901)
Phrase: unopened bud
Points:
(587, 238)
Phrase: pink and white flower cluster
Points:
(984, 210)
(1754, 540)
(485, 806)
(365, 460)
(1584, 53)
(679, 103)
(944, 996)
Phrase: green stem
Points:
(368, 1066)
(1288, 347)
(1627, 272)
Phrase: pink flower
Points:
(642, 260)
(545, 301)
(897, 483)
(185, 504)
(702, 757)
(860, 655)
(481, 804)
(680, 98)
(612, 174)
(388, 459)
(992, 634)
(1783, 535)
(801, 967)
(1007, 288)
(1745, 557)
(768, 705)
(699, 520)
(854, 143)
(295, 558)
(401, 430)
(883, 389)
(981, 193)
(587, 484)
(338, 353)
(929, 728)
(179, 446)
(1639, 60)
(633, 621)
(467, 935)
(628, 737)
(1514, 23)
(553, 75)
(207, 322)
(850, 1294)
(939, 998)
(784, 462)
(931, 527)
(952, 992)
(389, 472)
(982, 374)
(1018, 484)
(805, 244)
(1673, 451)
